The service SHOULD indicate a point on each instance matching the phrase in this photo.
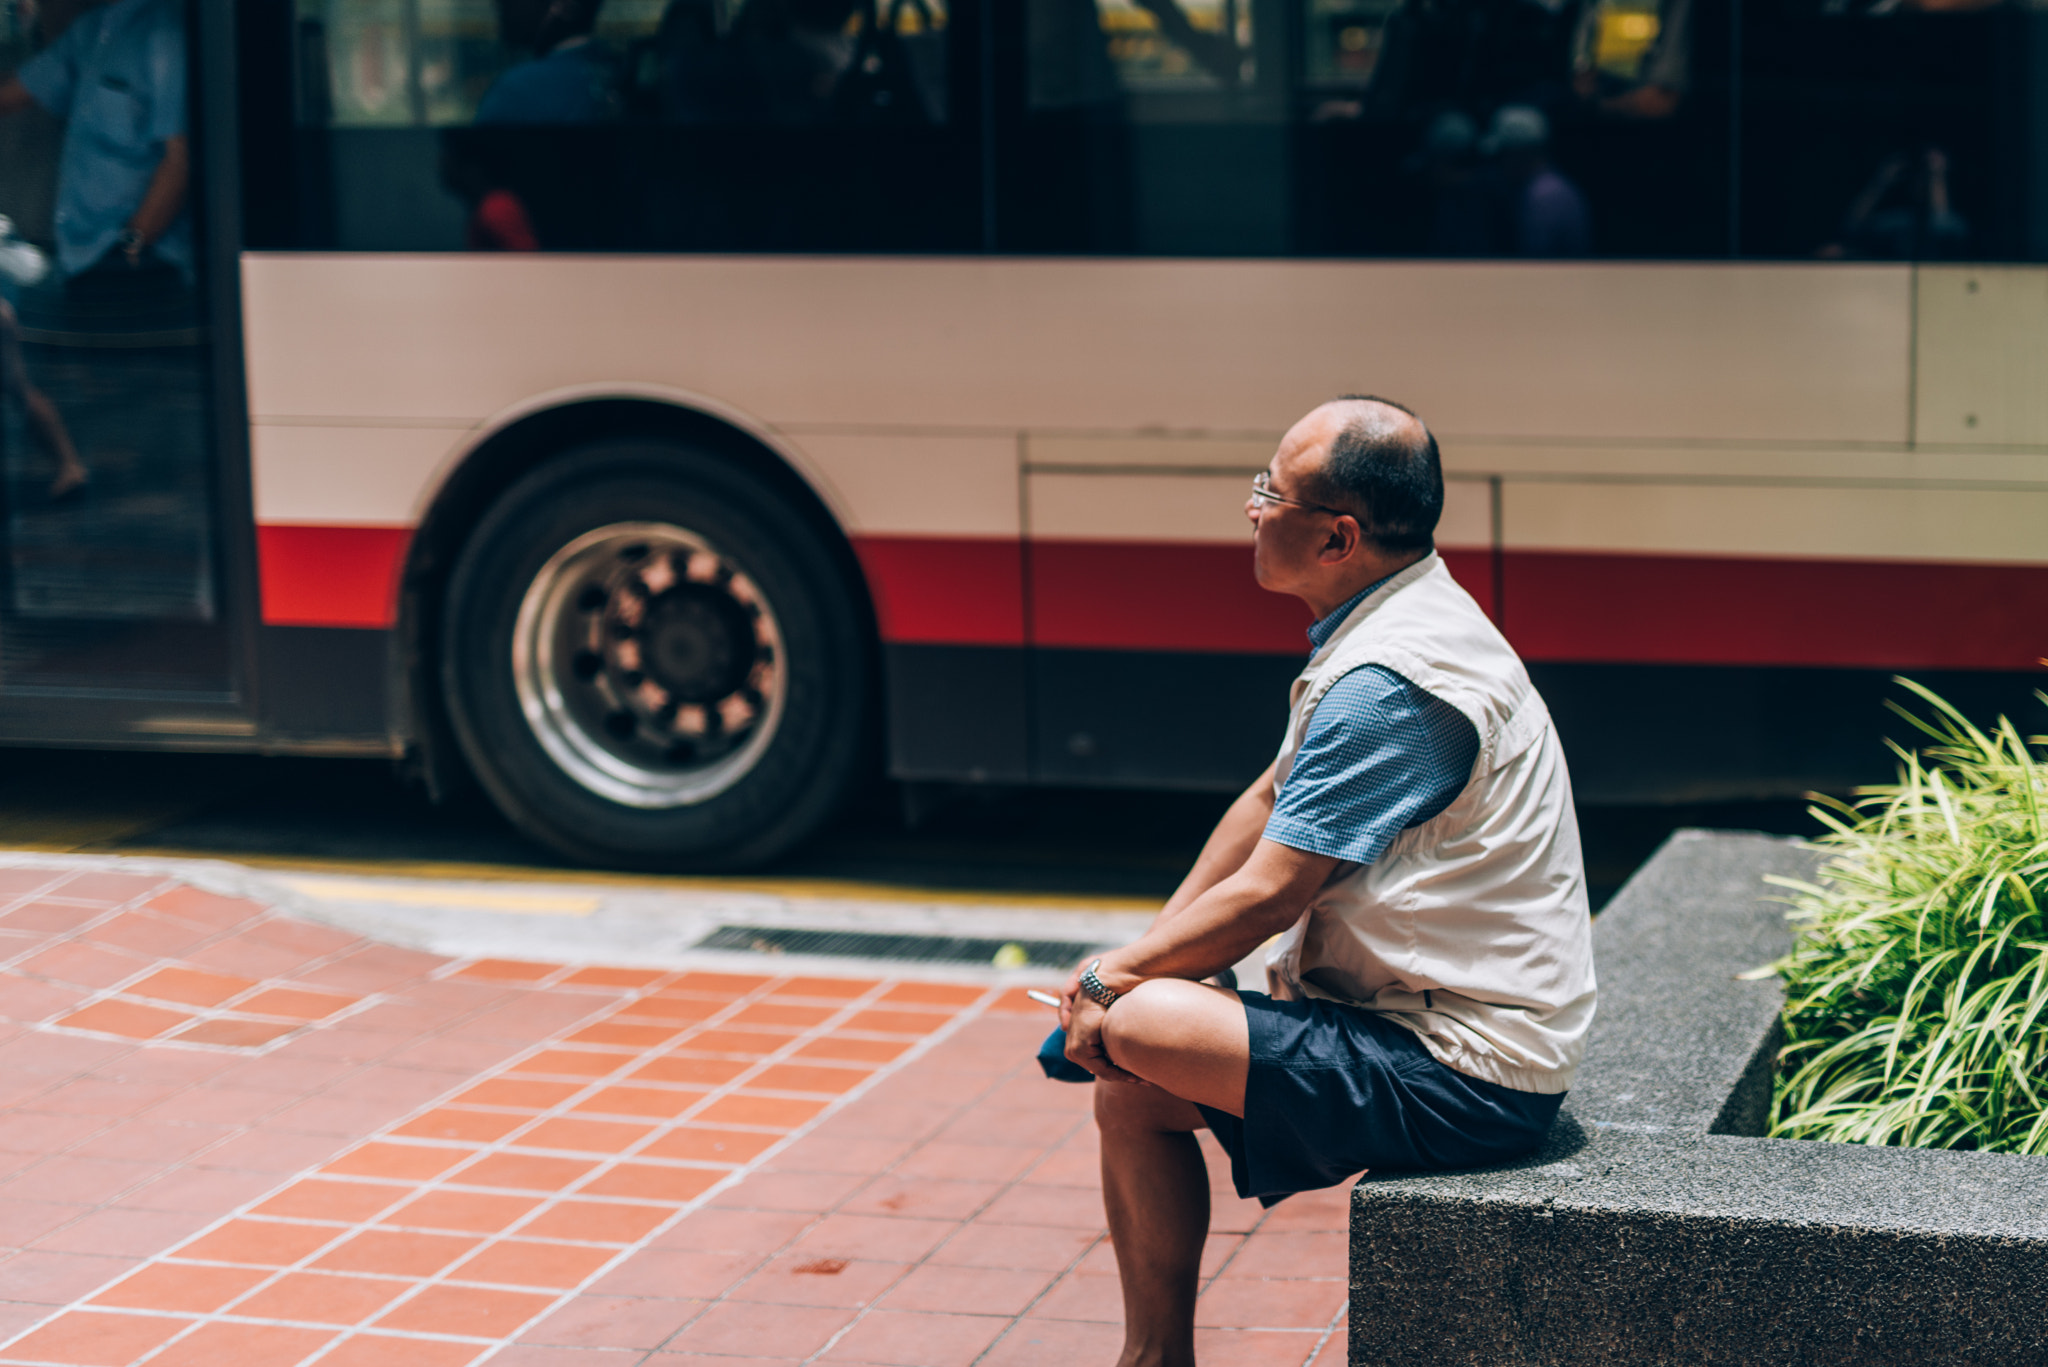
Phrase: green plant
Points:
(1916, 1007)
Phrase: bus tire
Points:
(652, 660)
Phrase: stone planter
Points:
(1657, 1227)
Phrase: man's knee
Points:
(1153, 1014)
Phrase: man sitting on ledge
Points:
(1415, 842)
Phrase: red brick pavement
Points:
(236, 1139)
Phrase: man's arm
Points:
(1212, 932)
(1228, 846)
(165, 196)
(1380, 756)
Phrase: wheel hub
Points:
(648, 665)
(697, 643)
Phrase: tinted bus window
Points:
(1433, 128)
(1893, 130)
(634, 125)
(106, 443)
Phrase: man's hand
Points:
(163, 200)
(1211, 932)
(1084, 1019)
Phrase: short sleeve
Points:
(167, 79)
(51, 76)
(1381, 755)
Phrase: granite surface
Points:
(1677, 1030)
(1651, 1229)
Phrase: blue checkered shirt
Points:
(1381, 756)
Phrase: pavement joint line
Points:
(343, 1233)
(952, 1026)
(138, 905)
(873, 1302)
(605, 1003)
(1329, 1331)
(247, 1208)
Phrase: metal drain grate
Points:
(858, 944)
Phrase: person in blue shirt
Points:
(117, 77)
(573, 78)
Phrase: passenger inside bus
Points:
(1470, 54)
(117, 77)
(21, 264)
(498, 217)
(1197, 127)
(1453, 176)
(1904, 214)
(787, 63)
(573, 76)
(1662, 75)
(106, 354)
(1542, 214)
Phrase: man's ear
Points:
(1345, 536)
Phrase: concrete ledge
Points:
(1654, 1228)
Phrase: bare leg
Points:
(42, 414)
(1155, 1186)
(1155, 1189)
(49, 424)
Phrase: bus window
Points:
(1478, 128)
(629, 125)
(1149, 126)
(1892, 131)
(105, 438)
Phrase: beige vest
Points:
(1472, 929)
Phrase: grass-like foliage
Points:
(1917, 994)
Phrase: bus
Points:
(664, 413)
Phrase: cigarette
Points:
(1043, 998)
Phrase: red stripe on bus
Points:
(1655, 609)
(326, 576)
(937, 590)
(1158, 596)
(1559, 606)
(1179, 596)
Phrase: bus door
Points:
(113, 606)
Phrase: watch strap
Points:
(1098, 991)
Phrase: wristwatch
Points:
(131, 244)
(1097, 990)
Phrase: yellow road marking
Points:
(823, 889)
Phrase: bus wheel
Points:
(651, 659)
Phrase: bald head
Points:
(1380, 465)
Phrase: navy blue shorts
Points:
(1335, 1090)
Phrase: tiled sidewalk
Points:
(233, 1139)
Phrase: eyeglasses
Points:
(1263, 496)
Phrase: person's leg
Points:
(49, 424)
(1155, 1190)
(1191, 1043)
(42, 414)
